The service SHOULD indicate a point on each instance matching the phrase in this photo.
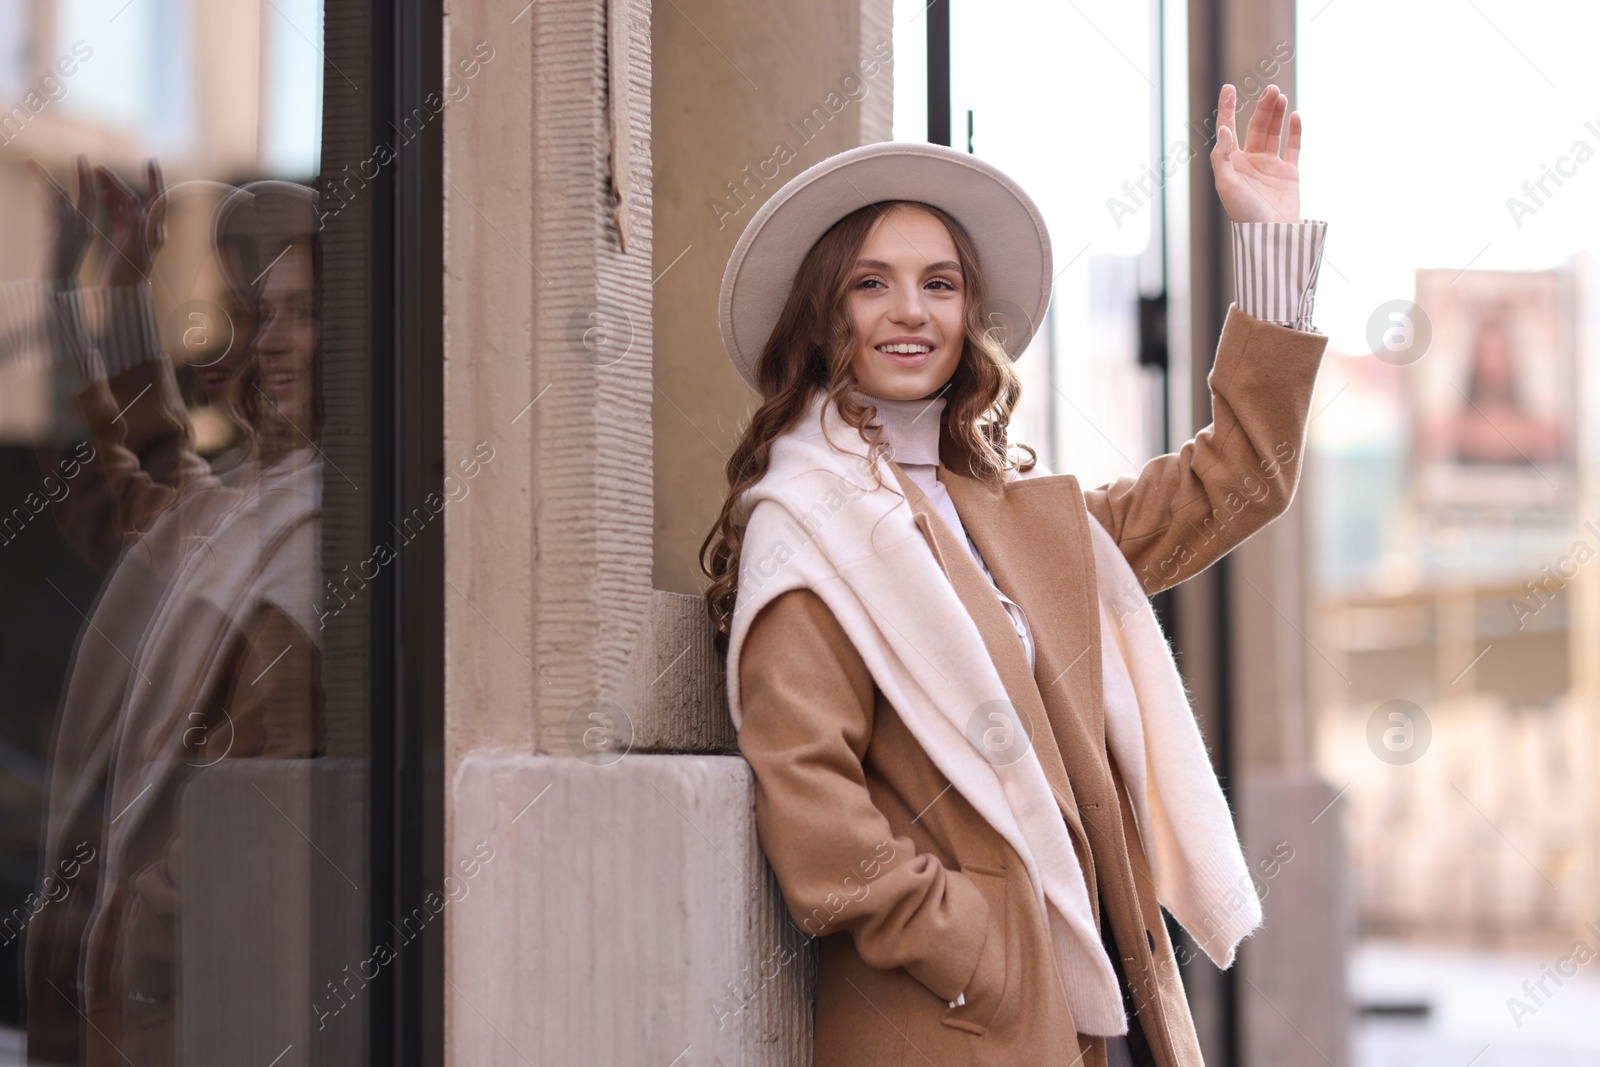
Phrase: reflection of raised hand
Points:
(138, 226)
(73, 220)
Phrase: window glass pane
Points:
(184, 725)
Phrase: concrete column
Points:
(547, 259)
(627, 916)
(1292, 1000)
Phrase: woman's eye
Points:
(942, 283)
(868, 282)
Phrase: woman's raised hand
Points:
(72, 219)
(1254, 183)
(138, 225)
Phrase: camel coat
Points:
(915, 897)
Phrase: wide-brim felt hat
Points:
(1007, 231)
(253, 225)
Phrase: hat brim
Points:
(1007, 231)
(254, 222)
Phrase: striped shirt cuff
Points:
(28, 331)
(127, 325)
(1275, 267)
(76, 341)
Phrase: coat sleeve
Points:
(137, 496)
(808, 701)
(1187, 509)
(273, 699)
(135, 413)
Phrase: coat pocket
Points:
(986, 991)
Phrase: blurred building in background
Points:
(1452, 583)
(1452, 495)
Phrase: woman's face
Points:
(286, 337)
(908, 303)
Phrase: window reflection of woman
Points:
(201, 646)
(267, 244)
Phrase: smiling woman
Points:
(906, 668)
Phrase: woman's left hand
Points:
(1254, 183)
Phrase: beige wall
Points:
(734, 80)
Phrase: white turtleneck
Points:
(911, 430)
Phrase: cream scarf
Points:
(818, 521)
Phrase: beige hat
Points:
(1006, 228)
(254, 223)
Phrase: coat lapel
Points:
(1034, 536)
(1005, 649)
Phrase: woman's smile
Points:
(907, 351)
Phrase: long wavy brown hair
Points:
(810, 350)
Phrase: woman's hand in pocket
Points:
(986, 988)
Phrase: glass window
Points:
(186, 568)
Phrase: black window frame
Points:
(407, 623)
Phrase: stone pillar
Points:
(1291, 987)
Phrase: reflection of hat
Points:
(1006, 228)
(255, 223)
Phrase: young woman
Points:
(978, 779)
